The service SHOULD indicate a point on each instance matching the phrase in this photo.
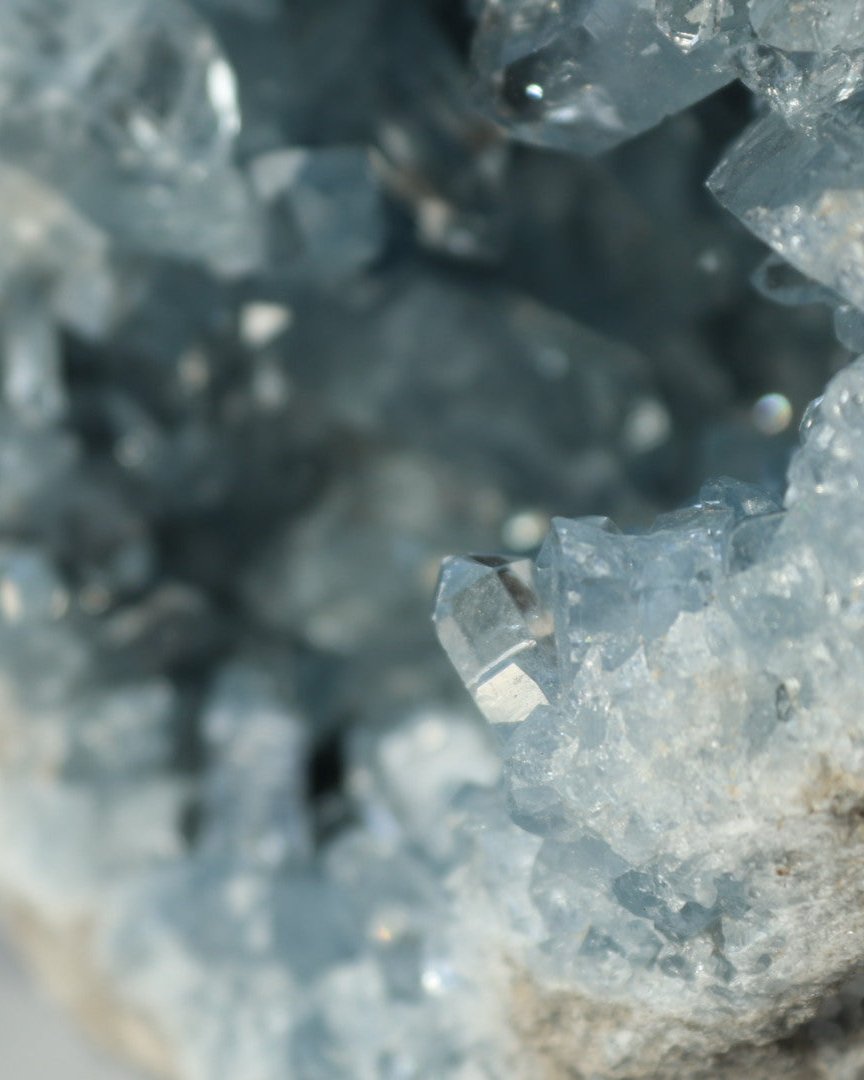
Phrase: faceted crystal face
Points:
(666, 772)
(801, 191)
(801, 87)
(551, 71)
(492, 625)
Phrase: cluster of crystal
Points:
(130, 116)
(553, 74)
(679, 713)
(282, 322)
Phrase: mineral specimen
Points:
(679, 714)
(554, 73)
(286, 315)
(810, 214)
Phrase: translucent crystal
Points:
(801, 86)
(552, 72)
(386, 513)
(258, 743)
(693, 22)
(811, 26)
(132, 117)
(800, 191)
(156, 102)
(283, 320)
(666, 778)
(494, 631)
(782, 283)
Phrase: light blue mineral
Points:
(583, 76)
(808, 26)
(254, 794)
(283, 321)
(693, 777)
(801, 190)
(325, 217)
(131, 113)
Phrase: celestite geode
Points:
(298, 296)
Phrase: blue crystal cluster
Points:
(679, 717)
(295, 300)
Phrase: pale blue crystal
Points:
(325, 217)
(254, 796)
(799, 190)
(283, 320)
(552, 72)
(664, 776)
(132, 117)
(811, 26)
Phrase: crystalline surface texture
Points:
(555, 74)
(802, 191)
(131, 111)
(681, 720)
